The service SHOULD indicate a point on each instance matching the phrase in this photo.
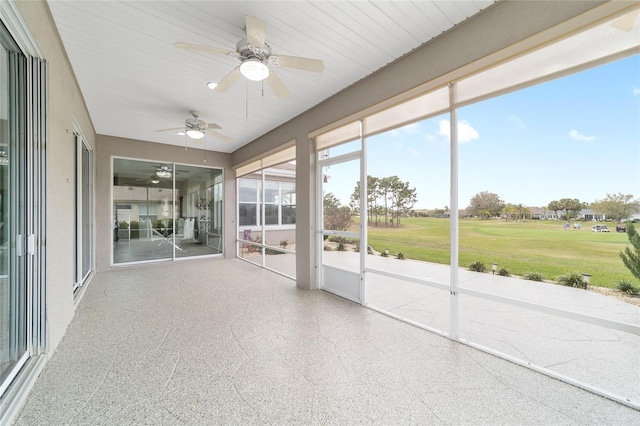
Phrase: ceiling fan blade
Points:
(220, 136)
(297, 62)
(213, 126)
(278, 86)
(256, 31)
(626, 22)
(174, 129)
(228, 80)
(201, 48)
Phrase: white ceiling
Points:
(135, 81)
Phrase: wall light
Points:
(155, 181)
(211, 85)
(254, 69)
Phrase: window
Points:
(84, 210)
(279, 200)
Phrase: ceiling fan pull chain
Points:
(246, 97)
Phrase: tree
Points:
(336, 216)
(522, 212)
(403, 198)
(384, 191)
(555, 207)
(631, 258)
(372, 189)
(485, 204)
(617, 206)
(509, 211)
(571, 206)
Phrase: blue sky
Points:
(574, 137)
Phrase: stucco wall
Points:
(65, 102)
(109, 146)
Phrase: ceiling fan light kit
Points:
(195, 134)
(254, 69)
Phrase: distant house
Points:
(591, 216)
(542, 213)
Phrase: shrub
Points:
(533, 277)
(504, 272)
(341, 247)
(477, 267)
(574, 279)
(631, 258)
(628, 287)
(327, 248)
(400, 256)
(384, 254)
(284, 243)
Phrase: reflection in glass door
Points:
(164, 211)
(199, 214)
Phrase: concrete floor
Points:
(217, 341)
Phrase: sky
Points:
(573, 137)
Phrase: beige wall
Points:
(498, 27)
(109, 146)
(65, 102)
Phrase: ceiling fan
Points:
(197, 129)
(256, 58)
(162, 171)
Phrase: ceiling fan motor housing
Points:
(195, 124)
(247, 50)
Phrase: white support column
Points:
(363, 213)
(263, 220)
(453, 216)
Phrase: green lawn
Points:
(537, 246)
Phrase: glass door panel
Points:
(143, 211)
(198, 215)
(13, 208)
(340, 252)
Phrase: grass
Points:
(541, 247)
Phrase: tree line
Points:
(387, 197)
(616, 207)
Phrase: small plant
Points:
(341, 247)
(574, 279)
(533, 277)
(628, 287)
(503, 272)
(477, 267)
(327, 248)
(400, 256)
(284, 243)
(356, 247)
(385, 253)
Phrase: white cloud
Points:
(636, 91)
(466, 133)
(410, 129)
(516, 120)
(577, 136)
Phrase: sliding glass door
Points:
(16, 247)
(164, 211)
